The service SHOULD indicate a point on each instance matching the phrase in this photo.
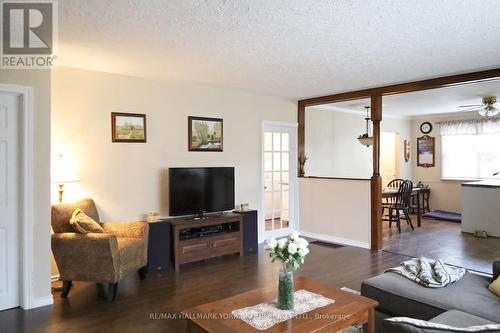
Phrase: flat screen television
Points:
(200, 190)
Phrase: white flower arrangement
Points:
(291, 250)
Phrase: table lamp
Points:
(62, 173)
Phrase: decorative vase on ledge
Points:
(291, 252)
(285, 290)
(302, 162)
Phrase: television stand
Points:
(199, 239)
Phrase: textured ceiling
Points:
(288, 48)
(426, 102)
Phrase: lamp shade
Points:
(62, 171)
(365, 140)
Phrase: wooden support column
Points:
(301, 130)
(376, 180)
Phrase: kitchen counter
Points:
(481, 207)
(492, 183)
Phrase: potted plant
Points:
(291, 251)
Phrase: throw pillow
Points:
(495, 286)
(410, 325)
(84, 224)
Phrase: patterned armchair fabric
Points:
(102, 258)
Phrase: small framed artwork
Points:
(407, 150)
(425, 151)
(205, 134)
(128, 127)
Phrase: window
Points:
(470, 149)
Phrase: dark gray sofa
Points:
(401, 297)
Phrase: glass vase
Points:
(285, 290)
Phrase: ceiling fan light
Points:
(494, 112)
(489, 112)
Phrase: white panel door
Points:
(9, 237)
(389, 157)
(279, 180)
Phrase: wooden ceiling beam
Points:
(440, 82)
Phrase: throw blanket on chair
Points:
(428, 272)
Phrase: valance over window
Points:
(470, 127)
(470, 148)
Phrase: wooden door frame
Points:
(26, 195)
(376, 95)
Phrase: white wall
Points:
(445, 194)
(333, 149)
(336, 210)
(39, 80)
(127, 180)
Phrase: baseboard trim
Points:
(335, 240)
(42, 301)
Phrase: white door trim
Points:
(26, 191)
(293, 175)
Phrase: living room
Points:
(143, 95)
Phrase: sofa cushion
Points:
(131, 254)
(84, 224)
(460, 319)
(399, 296)
(410, 325)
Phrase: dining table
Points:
(391, 192)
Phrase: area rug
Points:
(443, 215)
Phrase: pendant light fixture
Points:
(366, 139)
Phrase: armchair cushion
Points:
(126, 229)
(61, 214)
(84, 224)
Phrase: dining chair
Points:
(401, 205)
(424, 194)
(395, 183)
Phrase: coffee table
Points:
(348, 309)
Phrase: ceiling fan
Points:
(489, 108)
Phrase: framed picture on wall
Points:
(205, 134)
(128, 127)
(407, 150)
(425, 151)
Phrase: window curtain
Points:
(470, 127)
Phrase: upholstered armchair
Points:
(97, 257)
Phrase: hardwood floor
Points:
(443, 240)
(149, 305)
(154, 304)
(277, 224)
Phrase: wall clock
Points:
(426, 127)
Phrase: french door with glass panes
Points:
(279, 180)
